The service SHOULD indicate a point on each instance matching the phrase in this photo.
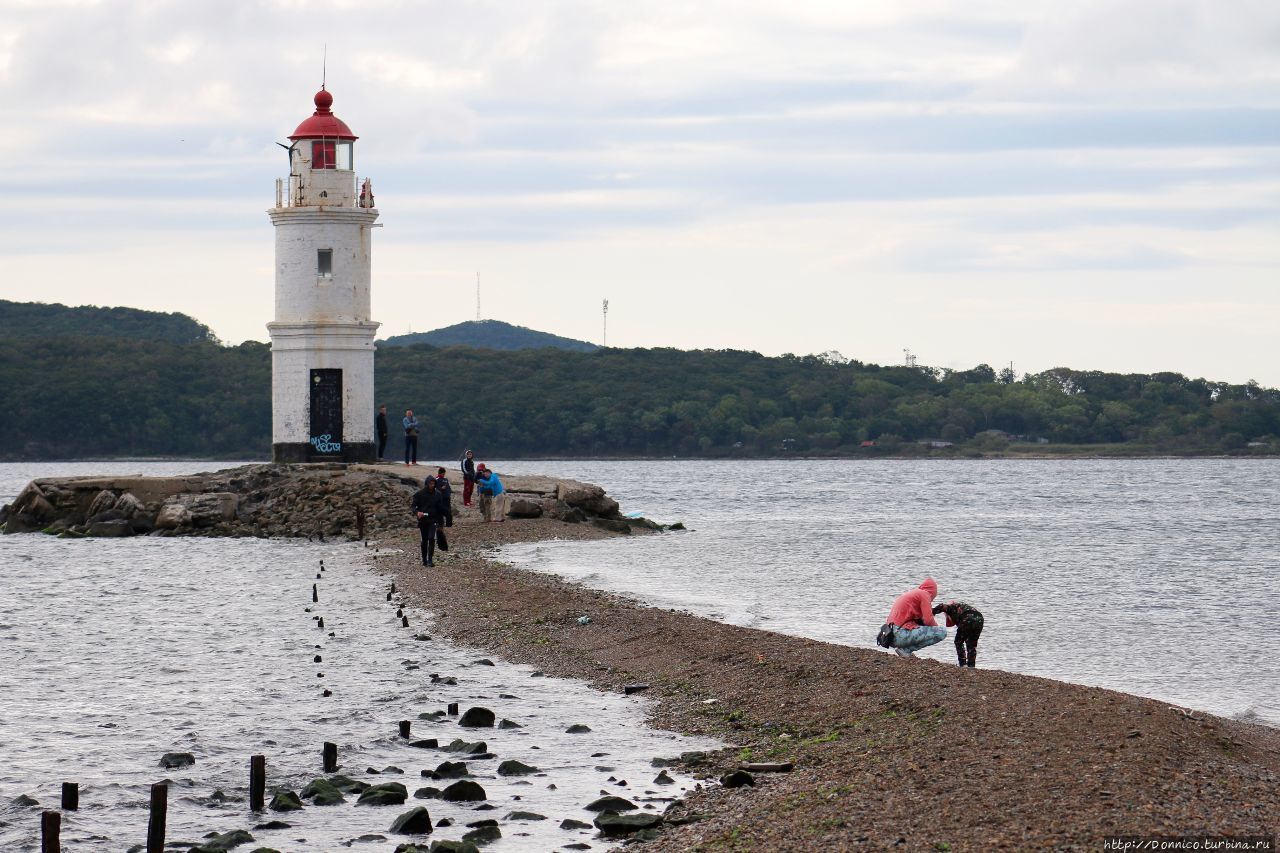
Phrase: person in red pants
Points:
(468, 476)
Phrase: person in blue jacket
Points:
(493, 498)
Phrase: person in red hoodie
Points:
(912, 618)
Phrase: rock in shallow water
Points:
(416, 821)
(172, 760)
(737, 779)
(611, 824)
(610, 803)
(386, 794)
(511, 767)
(477, 718)
(464, 791)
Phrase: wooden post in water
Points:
(257, 782)
(315, 592)
(51, 832)
(330, 757)
(393, 586)
(159, 814)
(404, 729)
(405, 621)
(70, 796)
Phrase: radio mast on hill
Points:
(604, 325)
(908, 358)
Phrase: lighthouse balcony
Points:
(324, 188)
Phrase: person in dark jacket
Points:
(968, 622)
(410, 438)
(444, 487)
(380, 426)
(429, 508)
(468, 476)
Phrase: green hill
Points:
(40, 320)
(489, 334)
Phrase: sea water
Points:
(114, 652)
(1159, 577)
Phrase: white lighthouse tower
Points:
(322, 337)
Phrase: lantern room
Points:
(321, 162)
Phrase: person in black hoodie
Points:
(444, 487)
(429, 507)
(468, 476)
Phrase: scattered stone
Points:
(432, 715)
(610, 803)
(483, 835)
(477, 718)
(458, 745)
(385, 794)
(451, 770)
(737, 779)
(507, 696)
(453, 847)
(692, 758)
(426, 743)
(769, 767)
(227, 840)
(612, 825)
(427, 793)
(570, 823)
(663, 779)
(508, 724)
(511, 767)
(476, 824)
(416, 821)
(464, 791)
(634, 688)
(525, 816)
(392, 769)
(577, 729)
(348, 785)
(273, 824)
(483, 662)
(173, 760)
(285, 801)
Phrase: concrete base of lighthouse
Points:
(322, 392)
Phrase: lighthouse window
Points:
(344, 155)
(324, 263)
(322, 155)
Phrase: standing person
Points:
(428, 508)
(912, 618)
(968, 622)
(444, 487)
(410, 438)
(468, 476)
(491, 486)
(380, 426)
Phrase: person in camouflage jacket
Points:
(968, 622)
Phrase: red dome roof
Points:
(323, 123)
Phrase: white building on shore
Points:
(322, 402)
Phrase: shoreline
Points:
(886, 751)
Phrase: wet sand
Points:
(888, 753)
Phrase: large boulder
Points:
(172, 516)
(116, 527)
(128, 506)
(174, 760)
(524, 508)
(588, 497)
(102, 501)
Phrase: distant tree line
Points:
(38, 319)
(73, 397)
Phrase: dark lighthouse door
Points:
(326, 413)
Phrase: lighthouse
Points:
(322, 336)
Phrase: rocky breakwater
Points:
(311, 501)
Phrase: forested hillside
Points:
(40, 320)
(72, 397)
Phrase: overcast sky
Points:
(1091, 185)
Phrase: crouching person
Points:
(912, 619)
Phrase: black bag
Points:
(885, 638)
(441, 542)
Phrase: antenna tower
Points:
(604, 325)
(324, 66)
(477, 296)
(908, 358)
